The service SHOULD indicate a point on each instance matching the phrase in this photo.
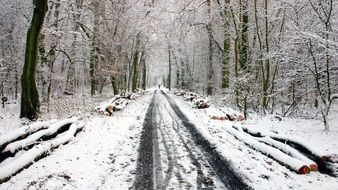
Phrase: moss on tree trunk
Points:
(30, 98)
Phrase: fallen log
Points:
(53, 130)
(23, 132)
(201, 103)
(114, 104)
(28, 157)
(290, 151)
(103, 105)
(299, 144)
(286, 160)
(219, 114)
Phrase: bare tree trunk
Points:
(136, 61)
(70, 80)
(226, 47)
(144, 74)
(95, 49)
(210, 58)
(169, 75)
(243, 27)
(52, 54)
(30, 106)
(266, 82)
(114, 85)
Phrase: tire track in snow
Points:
(144, 168)
(202, 181)
(157, 155)
(184, 152)
(219, 165)
(169, 154)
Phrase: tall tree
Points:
(136, 59)
(169, 69)
(323, 63)
(210, 73)
(95, 48)
(30, 106)
(226, 45)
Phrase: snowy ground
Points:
(101, 157)
(258, 170)
(104, 156)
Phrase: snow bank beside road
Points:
(260, 171)
(101, 157)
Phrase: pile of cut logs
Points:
(289, 151)
(198, 100)
(23, 146)
(118, 102)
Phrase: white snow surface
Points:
(103, 156)
(257, 169)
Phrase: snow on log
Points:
(115, 104)
(179, 93)
(190, 96)
(215, 114)
(33, 154)
(13, 147)
(288, 139)
(201, 103)
(103, 105)
(292, 163)
(24, 131)
(120, 104)
(221, 114)
(290, 151)
(232, 115)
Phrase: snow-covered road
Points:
(174, 156)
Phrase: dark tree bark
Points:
(144, 74)
(169, 75)
(135, 62)
(95, 48)
(30, 105)
(114, 85)
(226, 47)
(210, 58)
(244, 35)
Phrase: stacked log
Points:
(222, 114)
(287, 150)
(118, 102)
(199, 102)
(292, 163)
(35, 142)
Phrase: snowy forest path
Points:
(173, 154)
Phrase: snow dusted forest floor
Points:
(104, 155)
